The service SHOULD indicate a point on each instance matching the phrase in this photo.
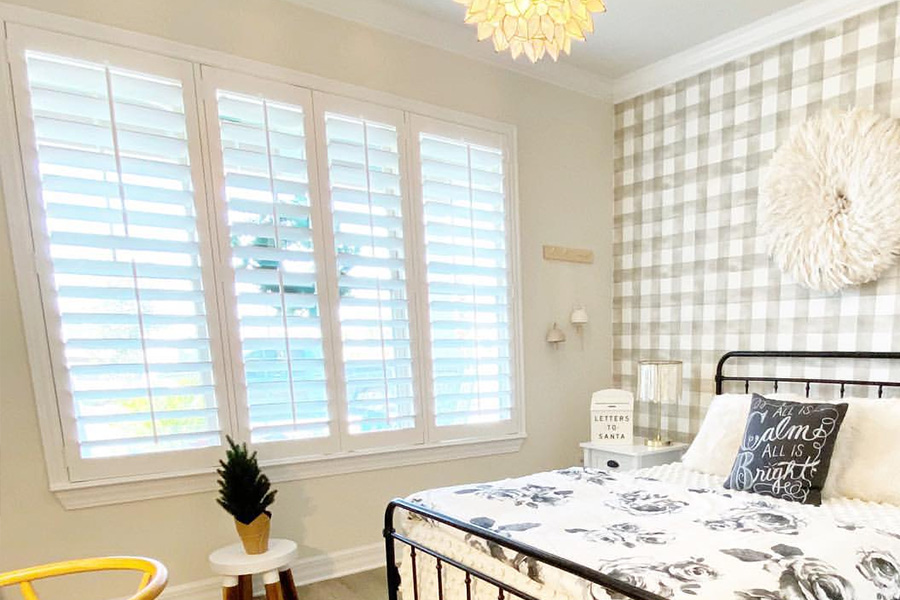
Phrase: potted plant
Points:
(244, 494)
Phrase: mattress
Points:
(668, 530)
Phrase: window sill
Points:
(132, 489)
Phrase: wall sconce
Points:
(555, 336)
(579, 318)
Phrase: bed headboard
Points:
(721, 378)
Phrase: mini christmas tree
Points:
(243, 488)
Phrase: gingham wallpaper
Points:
(692, 278)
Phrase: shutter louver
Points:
(118, 202)
(366, 205)
(464, 209)
(269, 216)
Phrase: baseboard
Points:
(306, 571)
(339, 564)
(205, 589)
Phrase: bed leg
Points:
(390, 556)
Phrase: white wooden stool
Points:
(238, 569)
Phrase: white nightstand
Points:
(629, 458)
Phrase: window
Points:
(121, 254)
(262, 159)
(365, 192)
(464, 201)
(220, 253)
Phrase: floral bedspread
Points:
(667, 530)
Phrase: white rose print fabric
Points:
(669, 531)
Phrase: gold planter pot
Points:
(254, 535)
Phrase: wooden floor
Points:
(369, 585)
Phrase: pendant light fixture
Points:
(533, 27)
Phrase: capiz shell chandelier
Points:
(533, 27)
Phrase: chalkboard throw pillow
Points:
(786, 449)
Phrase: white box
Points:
(612, 417)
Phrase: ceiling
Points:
(633, 35)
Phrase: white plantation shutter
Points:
(112, 193)
(307, 272)
(265, 161)
(464, 205)
(367, 206)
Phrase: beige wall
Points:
(565, 180)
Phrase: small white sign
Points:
(612, 417)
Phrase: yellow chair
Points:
(152, 583)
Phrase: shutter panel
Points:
(113, 193)
(464, 207)
(367, 209)
(266, 191)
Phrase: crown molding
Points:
(764, 33)
(421, 28)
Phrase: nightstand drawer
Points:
(598, 459)
(629, 458)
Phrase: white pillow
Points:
(866, 460)
(719, 439)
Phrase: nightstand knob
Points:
(612, 464)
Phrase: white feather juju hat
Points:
(830, 202)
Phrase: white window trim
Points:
(133, 489)
(116, 490)
(89, 469)
(418, 125)
(212, 79)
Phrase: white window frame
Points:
(325, 103)
(177, 478)
(20, 39)
(492, 139)
(213, 79)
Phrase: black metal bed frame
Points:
(721, 379)
(607, 583)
